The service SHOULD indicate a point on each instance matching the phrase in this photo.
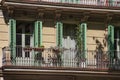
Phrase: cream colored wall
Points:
(49, 34)
(49, 37)
(95, 32)
(3, 35)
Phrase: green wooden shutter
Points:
(111, 40)
(38, 34)
(83, 38)
(12, 24)
(35, 35)
(59, 27)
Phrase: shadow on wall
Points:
(101, 55)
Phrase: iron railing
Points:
(59, 57)
(113, 3)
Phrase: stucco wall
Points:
(3, 35)
(96, 42)
(49, 34)
(49, 37)
(95, 35)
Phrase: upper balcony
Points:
(112, 3)
(102, 4)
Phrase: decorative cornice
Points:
(109, 17)
(10, 11)
(40, 14)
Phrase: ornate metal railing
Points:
(113, 3)
(59, 57)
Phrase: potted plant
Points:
(57, 55)
(27, 49)
(38, 55)
(56, 49)
(40, 48)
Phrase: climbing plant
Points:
(78, 45)
(78, 38)
(81, 42)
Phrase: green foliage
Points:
(78, 39)
(79, 45)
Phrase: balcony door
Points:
(24, 38)
(117, 43)
(70, 44)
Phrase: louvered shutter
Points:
(111, 40)
(12, 24)
(83, 28)
(59, 27)
(38, 34)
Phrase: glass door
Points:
(69, 43)
(117, 43)
(24, 39)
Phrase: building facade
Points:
(60, 39)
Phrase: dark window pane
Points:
(27, 54)
(27, 39)
(18, 39)
(18, 51)
(27, 28)
(19, 28)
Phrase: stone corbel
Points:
(108, 18)
(40, 14)
(85, 17)
(10, 11)
(57, 15)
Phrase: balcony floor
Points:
(32, 73)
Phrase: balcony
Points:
(100, 3)
(58, 58)
(98, 6)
